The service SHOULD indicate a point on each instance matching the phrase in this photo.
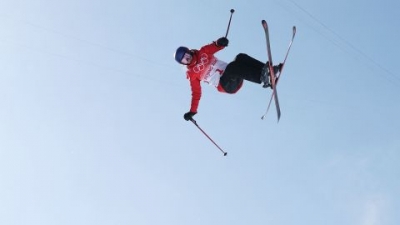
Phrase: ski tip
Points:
(225, 153)
(264, 24)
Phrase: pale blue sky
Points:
(92, 105)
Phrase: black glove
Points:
(188, 116)
(223, 42)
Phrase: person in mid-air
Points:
(202, 65)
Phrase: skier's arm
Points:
(196, 94)
(216, 46)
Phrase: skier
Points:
(202, 65)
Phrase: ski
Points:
(270, 64)
(275, 77)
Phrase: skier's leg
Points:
(249, 61)
(246, 68)
(230, 83)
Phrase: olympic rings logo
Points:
(201, 65)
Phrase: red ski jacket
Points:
(204, 67)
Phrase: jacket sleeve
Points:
(212, 48)
(196, 94)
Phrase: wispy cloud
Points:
(373, 211)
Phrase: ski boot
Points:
(266, 75)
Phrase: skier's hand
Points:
(189, 115)
(223, 42)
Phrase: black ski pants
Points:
(242, 68)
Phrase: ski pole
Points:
(195, 123)
(229, 24)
